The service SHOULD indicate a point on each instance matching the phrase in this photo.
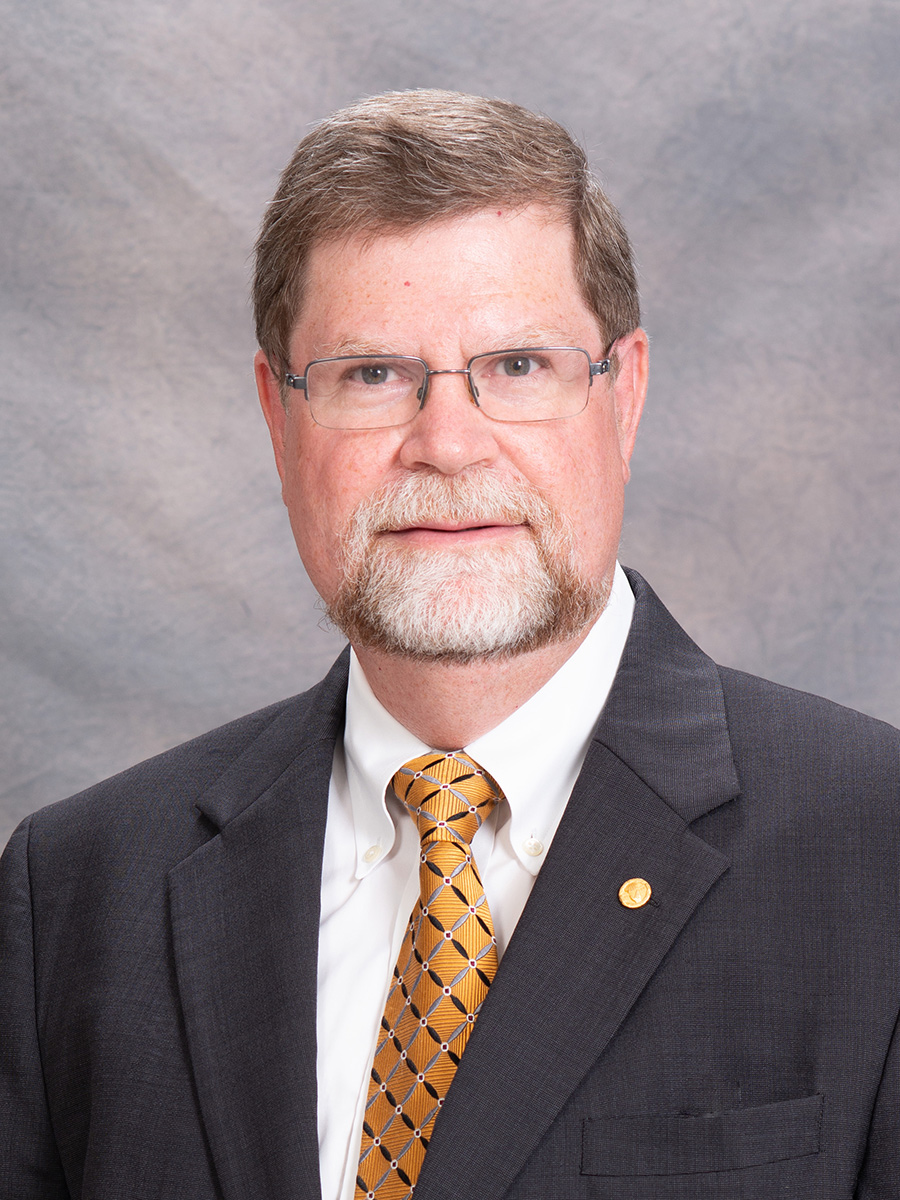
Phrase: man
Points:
(653, 949)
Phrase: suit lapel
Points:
(579, 959)
(245, 913)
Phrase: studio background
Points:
(150, 586)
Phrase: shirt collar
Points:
(375, 746)
(558, 719)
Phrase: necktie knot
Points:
(447, 794)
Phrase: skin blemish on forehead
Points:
(406, 283)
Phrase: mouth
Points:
(449, 533)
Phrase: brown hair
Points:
(400, 159)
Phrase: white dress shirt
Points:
(370, 867)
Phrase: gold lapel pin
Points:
(634, 893)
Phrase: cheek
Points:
(587, 485)
(585, 470)
(314, 504)
(326, 477)
(317, 473)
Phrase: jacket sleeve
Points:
(880, 1177)
(30, 1167)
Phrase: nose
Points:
(449, 433)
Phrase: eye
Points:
(517, 365)
(373, 374)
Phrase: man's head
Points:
(397, 161)
(446, 227)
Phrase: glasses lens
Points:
(532, 384)
(364, 393)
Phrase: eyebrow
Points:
(518, 339)
(348, 347)
(540, 335)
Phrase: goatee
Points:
(492, 600)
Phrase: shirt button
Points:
(533, 846)
(371, 854)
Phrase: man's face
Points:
(553, 490)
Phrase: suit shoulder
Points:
(777, 701)
(801, 728)
(160, 794)
(186, 768)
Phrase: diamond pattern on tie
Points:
(445, 967)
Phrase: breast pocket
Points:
(736, 1140)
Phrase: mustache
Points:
(474, 497)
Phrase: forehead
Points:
(492, 277)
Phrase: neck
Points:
(449, 705)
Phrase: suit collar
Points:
(666, 716)
(316, 716)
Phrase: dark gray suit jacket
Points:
(734, 1038)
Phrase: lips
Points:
(436, 538)
(448, 527)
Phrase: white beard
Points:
(484, 601)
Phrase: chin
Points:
(462, 606)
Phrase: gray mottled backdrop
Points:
(150, 587)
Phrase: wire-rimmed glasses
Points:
(377, 391)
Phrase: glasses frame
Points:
(601, 367)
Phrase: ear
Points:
(267, 386)
(630, 390)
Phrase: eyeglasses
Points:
(377, 391)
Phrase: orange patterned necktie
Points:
(445, 967)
